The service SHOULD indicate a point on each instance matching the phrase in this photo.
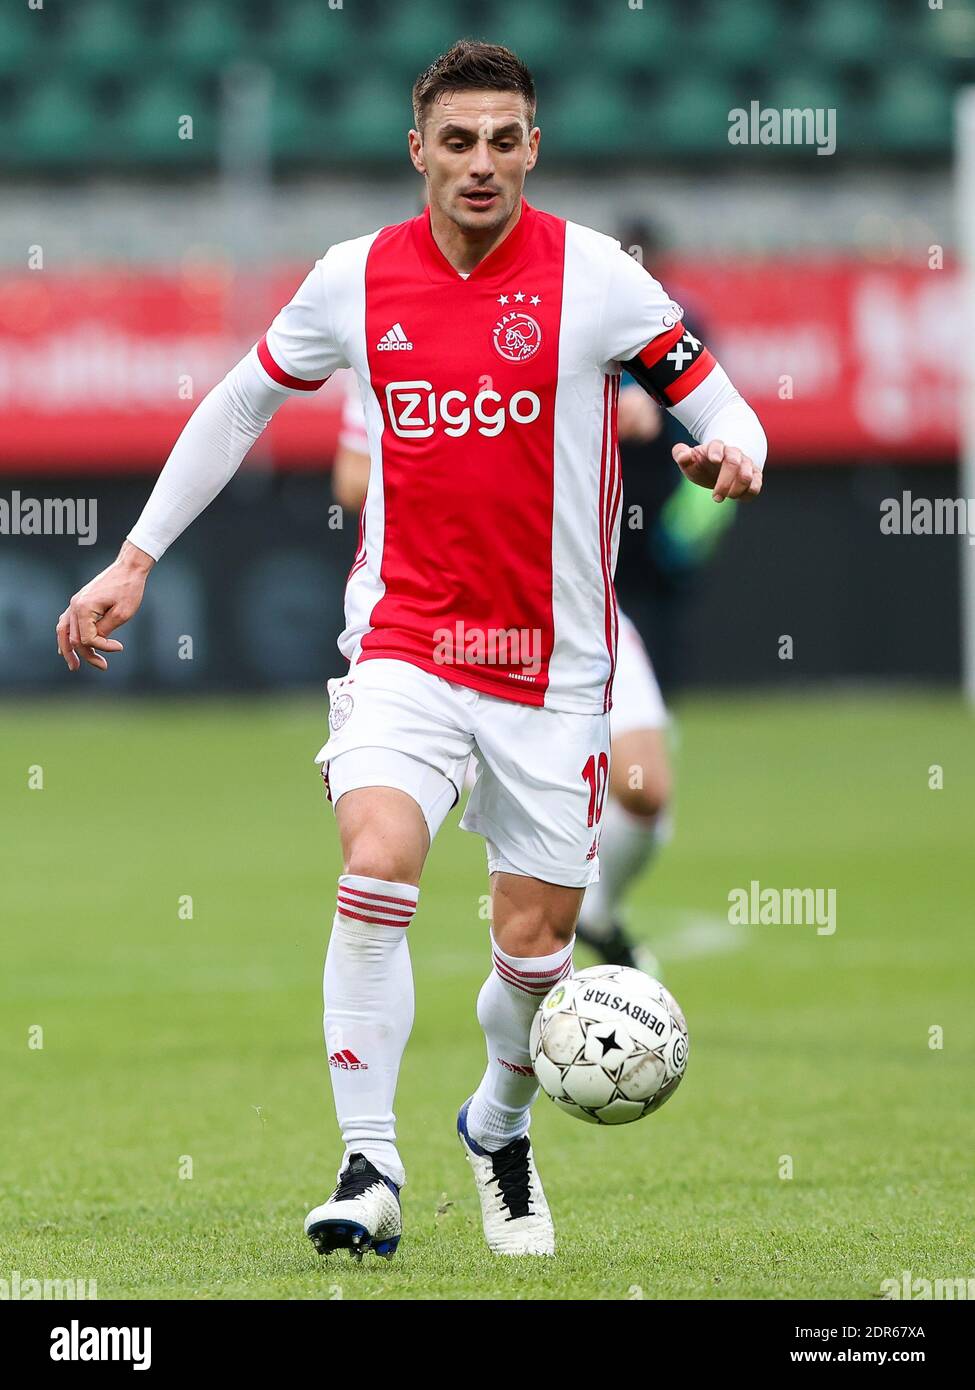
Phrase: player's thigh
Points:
(637, 699)
(640, 776)
(399, 740)
(541, 782)
(383, 832)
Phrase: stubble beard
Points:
(469, 221)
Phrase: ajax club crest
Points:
(516, 336)
(339, 711)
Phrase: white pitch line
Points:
(694, 935)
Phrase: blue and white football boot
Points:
(514, 1211)
(363, 1213)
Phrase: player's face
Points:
(475, 151)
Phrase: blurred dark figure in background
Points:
(667, 533)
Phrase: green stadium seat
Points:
(55, 124)
(737, 35)
(816, 89)
(404, 39)
(367, 120)
(146, 128)
(690, 117)
(946, 38)
(537, 32)
(637, 41)
(22, 32)
(840, 32)
(912, 111)
(204, 36)
(310, 38)
(589, 115)
(297, 130)
(802, 87)
(105, 37)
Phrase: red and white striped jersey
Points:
(489, 531)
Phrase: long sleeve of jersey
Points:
(715, 410)
(207, 454)
(644, 329)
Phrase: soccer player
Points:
(487, 337)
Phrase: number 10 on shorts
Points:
(596, 774)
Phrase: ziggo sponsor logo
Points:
(414, 410)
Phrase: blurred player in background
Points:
(636, 820)
(669, 529)
(666, 538)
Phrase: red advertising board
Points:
(843, 361)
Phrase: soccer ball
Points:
(609, 1045)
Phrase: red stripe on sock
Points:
(374, 921)
(396, 913)
(378, 897)
(538, 990)
(532, 976)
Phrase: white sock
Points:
(506, 1005)
(368, 993)
(627, 844)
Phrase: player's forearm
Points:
(715, 410)
(211, 448)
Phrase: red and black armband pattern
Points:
(671, 365)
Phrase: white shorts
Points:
(541, 777)
(637, 701)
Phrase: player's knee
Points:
(640, 778)
(535, 931)
(649, 797)
(372, 856)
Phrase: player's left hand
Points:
(721, 467)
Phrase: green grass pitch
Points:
(169, 1041)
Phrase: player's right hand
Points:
(105, 603)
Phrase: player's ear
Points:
(534, 137)
(415, 143)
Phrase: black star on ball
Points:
(609, 1043)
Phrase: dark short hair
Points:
(469, 65)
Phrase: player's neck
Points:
(463, 249)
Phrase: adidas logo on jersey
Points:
(347, 1061)
(394, 340)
